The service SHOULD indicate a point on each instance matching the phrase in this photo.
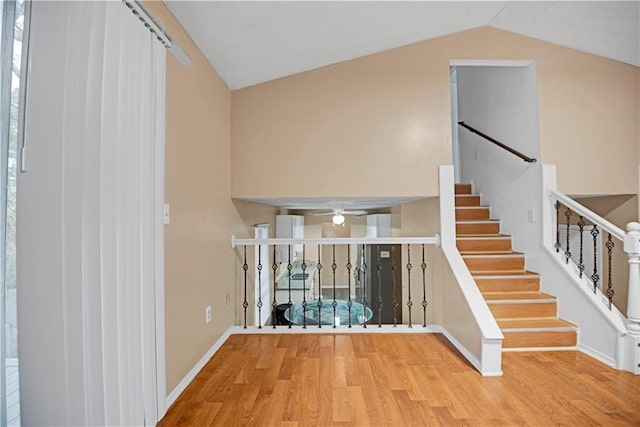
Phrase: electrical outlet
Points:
(207, 314)
(166, 213)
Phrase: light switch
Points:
(531, 215)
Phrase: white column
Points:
(632, 248)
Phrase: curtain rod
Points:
(163, 36)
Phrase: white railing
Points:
(591, 227)
(584, 261)
(334, 282)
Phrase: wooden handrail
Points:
(498, 143)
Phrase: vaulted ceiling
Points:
(253, 42)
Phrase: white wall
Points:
(502, 102)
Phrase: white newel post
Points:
(632, 248)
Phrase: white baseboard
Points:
(182, 385)
(607, 360)
(462, 349)
(328, 329)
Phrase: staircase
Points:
(527, 317)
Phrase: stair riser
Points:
(539, 339)
(484, 245)
(476, 214)
(508, 285)
(512, 311)
(468, 201)
(486, 228)
(495, 263)
(463, 188)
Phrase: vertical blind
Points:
(89, 211)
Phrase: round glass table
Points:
(359, 314)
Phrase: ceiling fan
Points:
(338, 214)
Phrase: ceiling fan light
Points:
(338, 219)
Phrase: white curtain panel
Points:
(89, 214)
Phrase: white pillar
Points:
(632, 248)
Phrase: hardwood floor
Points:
(397, 380)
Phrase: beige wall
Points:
(199, 262)
(382, 122)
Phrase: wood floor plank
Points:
(397, 380)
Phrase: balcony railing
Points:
(333, 282)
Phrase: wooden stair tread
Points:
(503, 254)
(506, 252)
(463, 189)
(483, 237)
(493, 297)
(539, 323)
(504, 274)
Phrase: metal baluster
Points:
(609, 292)
(557, 244)
(349, 302)
(334, 304)
(364, 285)
(393, 277)
(245, 304)
(581, 224)
(274, 304)
(409, 266)
(423, 266)
(289, 303)
(379, 268)
(259, 268)
(567, 253)
(319, 268)
(304, 289)
(595, 277)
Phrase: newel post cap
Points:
(633, 227)
(632, 239)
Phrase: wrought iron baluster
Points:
(409, 266)
(319, 268)
(289, 303)
(349, 302)
(557, 244)
(567, 253)
(594, 276)
(393, 278)
(379, 268)
(334, 266)
(423, 266)
(274, 303)
(364, 285)
(245, 304)
(259, 305)
(303, 267)
(581, 224)
(609, 292)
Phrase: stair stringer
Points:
(478, 336)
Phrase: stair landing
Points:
(527, 317)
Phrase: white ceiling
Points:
(250, 42)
